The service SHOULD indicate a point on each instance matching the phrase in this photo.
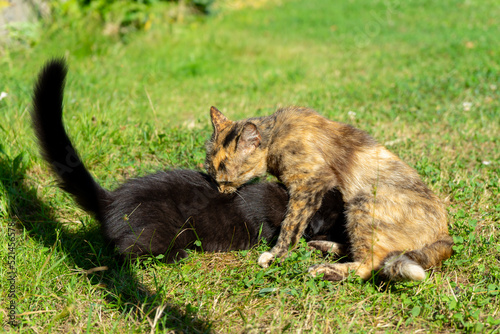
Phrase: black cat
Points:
(166, 212)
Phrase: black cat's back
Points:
(178, 208)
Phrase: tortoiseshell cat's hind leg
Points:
(366, 249)
(396, 265)
(365, 262)
(395, 268)
(340, 271)
(378, 244)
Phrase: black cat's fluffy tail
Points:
(56, 147)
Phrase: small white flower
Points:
(467, 105)
(3, 95)
(352, 115)
(486, 162)
(493, 87)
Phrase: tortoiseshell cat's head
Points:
(234, 152)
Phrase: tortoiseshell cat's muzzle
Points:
(226, 189)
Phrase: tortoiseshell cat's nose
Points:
(226, 189)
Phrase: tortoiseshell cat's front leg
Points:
(301, 207)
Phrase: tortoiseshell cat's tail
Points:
(410, 265)
(56, 147)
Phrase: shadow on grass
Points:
(87, 249)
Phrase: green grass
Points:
(421, 77)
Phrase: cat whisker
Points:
(237, 192)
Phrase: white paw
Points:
(265, 259)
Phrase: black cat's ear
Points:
(219, 121)
(250, 138)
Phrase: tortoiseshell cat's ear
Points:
(219, 121)
(250, 138)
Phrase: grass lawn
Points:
(422, 77)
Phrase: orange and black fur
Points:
(395, 224)
(167, 212)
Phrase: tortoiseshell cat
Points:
(165, 212)
(395, 224)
